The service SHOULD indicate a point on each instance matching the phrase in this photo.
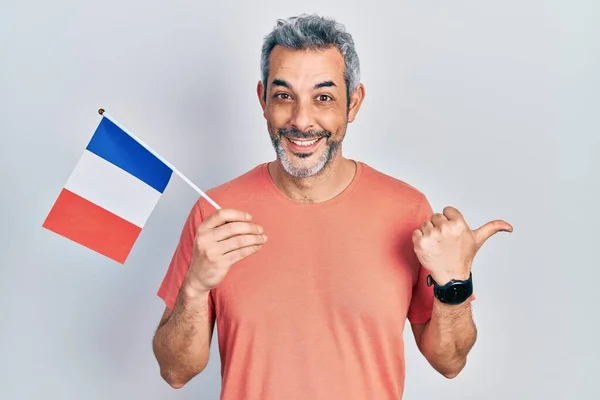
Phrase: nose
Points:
(302, 118)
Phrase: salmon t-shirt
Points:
(319, 312)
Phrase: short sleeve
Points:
(180, 262)
(421, 304)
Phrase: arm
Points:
(446, 339)
(206, 251)
(182, 341)
(445, 247)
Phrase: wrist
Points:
(449, 309)
(193, 291)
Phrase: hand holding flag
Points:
(223, 239)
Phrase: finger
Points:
(416, 235)
(237, 255)
(223, 216)
(231, 229)
(427, 227)
(452, 213)
(437, 219)
(240, 241)
(486, 231)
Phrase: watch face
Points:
(457, 293)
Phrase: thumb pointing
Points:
(486, 231)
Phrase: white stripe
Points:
(113, 189)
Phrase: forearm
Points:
(448, 337)
(182, 344)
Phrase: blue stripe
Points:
(115, 146)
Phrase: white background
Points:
(488, 106)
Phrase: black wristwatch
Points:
(454, 292)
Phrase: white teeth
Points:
(304, 143)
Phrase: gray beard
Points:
(304, 172)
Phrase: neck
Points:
(327, 184)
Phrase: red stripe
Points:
(92, 226)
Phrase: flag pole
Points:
(103, 113)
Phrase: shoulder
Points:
(248, 180)
(392, 203)
(386, 186)
(234, 190)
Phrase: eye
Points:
(324, 97)
(282, 96)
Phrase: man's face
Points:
(306, 108)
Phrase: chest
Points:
(322, 269)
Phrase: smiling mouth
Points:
(304, 142)
(303, 147)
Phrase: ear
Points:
(356, 100)
(260, 92)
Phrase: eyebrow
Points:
(282, 83)
(325, 84)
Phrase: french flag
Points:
(110, 194)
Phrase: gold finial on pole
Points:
(101, 111)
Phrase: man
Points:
(315, 263)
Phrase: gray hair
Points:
(312, 32)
